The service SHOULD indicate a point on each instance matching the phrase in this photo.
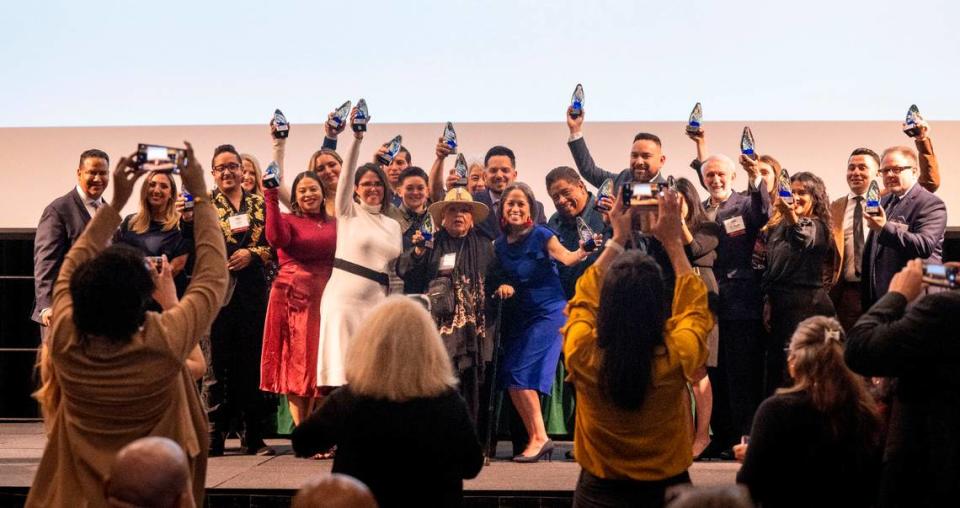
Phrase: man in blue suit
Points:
(60, 225)
(910, 224)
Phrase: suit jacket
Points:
(60, 225)
(914, 229)
(490, 227)
(918, 346)
(596, 175)
(837, 210)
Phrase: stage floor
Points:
(21, 445)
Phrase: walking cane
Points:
(493, 406)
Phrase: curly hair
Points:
(818, 193)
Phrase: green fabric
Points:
(559, 407)
(284, 420)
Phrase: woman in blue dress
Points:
(527, 254)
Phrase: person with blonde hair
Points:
(399, 424)
(251, 175)
(818, 441)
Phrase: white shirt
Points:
(90, 204)
(849, 266)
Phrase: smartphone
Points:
(155, 263)
(940, 275)
(641, 193)
(160, 158)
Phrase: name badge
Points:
(448, 261)
(734, 226)
(239, 223)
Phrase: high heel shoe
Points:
(545, 451)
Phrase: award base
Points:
(694, 129)
(271, 182)
(334, 124)
(912, 131)
(750, 155)
(359, 127)
(281, 134)
(462, 182)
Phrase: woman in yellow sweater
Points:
(630, 357)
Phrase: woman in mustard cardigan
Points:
(630, 359)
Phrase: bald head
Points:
(151, 472)
(334, 491)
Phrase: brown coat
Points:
(98, 398)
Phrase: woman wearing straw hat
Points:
(452, 270)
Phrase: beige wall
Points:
(42, 161)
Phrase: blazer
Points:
(914, 229)
(918, 346)
(61, 223)
(596, 175)
(490, 227)
(837, 210)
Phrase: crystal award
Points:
(271, 176)
(747, 145)
(873, 199)
(911, 125)
(393, 148)
(362, 117)
(426, 227)
(450, 137)
(696, 116)
(281, 126)
(576, 102)
(461, 169)
(605, 191)
(783, 188)
(339, 118)
(586, 235)
(672, 183)
(187, 200)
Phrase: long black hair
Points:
(294, 206)
(815, 187)
(630, 327)
(695, 211)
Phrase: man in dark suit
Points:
(60, 225)
(910, 225)
(499, 172)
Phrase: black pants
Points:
(788, 307)
(232, 384)
(594, 492)
(737, 380)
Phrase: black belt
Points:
(378, 277)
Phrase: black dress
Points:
(412, 453)
(157, 242)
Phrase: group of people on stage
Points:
(722, 301)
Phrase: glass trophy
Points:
(271, 176)
(281, 126)
(450, 137)
(747, 144)
(426, 228)
(586, 235)
(462, 170)
(783, 188)
(393, 148)
(340, 116)
(696, 116)
(873, 199)
(605, 191)
(911, 125)
(187, 200)
(361, 118)
(576, 102)
(672, 183)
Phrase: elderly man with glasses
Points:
(910, 224)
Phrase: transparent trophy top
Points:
(576, 101)
(873, 194)
(606, 189)
(461, 167)
(586, 234)
(393, 148)
(426, 227)
(272, 169)
(783, 186)
(450, 136)
(341, 115)
(363, 114)
(280, 121)
(913, 115)
(696, 116)
(747, 144)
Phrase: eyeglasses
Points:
(232, 167)
(371, 184)
(896, 170)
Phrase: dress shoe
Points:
(545, 451)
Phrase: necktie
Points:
(858, 234)
(95, 205)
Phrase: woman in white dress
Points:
(368, 243)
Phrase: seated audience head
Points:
(863, 165)
(150, 472)
(413, 188)
(567, 191)
(371, 188)
(646, 157)
(726, 496)
(226, 168)
(719, 172)
(816, 365)
(475, 175)
(402, 161)
(111, 293)
(334, 491)
(307, 194)
(769, 169)
(326, 163)
(500, 168)
(158, 197)
(250, 174)
(899, 169)
(516, 207)
(691, 208)
(458, 212)
(810, 196)
(398, 354)
(627, 338)
(93, 173)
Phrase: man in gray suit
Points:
(60, 225)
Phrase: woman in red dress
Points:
(305, 241)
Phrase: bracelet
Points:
(612, 244)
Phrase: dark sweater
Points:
(412, 453)
(795, 460)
